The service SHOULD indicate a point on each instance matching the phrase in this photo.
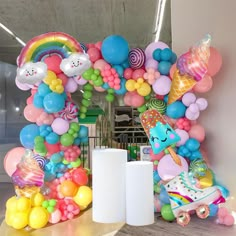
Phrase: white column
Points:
(108, 183)
(139, 193)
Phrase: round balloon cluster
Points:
(54, 65)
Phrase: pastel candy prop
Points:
(157, 104)
(179, 86)
(195, 62)
(40, 47)
(159, 132)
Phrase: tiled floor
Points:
(84, 226)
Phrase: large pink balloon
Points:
(204, 85)
(197, 132)
(215, 62)
(12, 158)
(152, 47)
(32, 113)
(168, 169)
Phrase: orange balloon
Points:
(68, 188)
(204, 85)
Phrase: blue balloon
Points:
(126, 64)
(157, 54)
(83, 131)
(122, 89)
(53, 102)
(119, 69)
(176, 110)
(43, 89)
(38, 101)
(52, 138)
(166, 54)
(164, 197)
(105, 86)
(156, 177)
(173, 58)
(192, 144)
(164, 67)
(213, 209)
(56, 157)
(115, 49)
(28, 134)
(84, 140)
(77, 141)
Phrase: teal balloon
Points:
(176, 110)
(53, 102)
(28, 134)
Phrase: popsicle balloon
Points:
(161, 135)
(195, 62)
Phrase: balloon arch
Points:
(50, 183)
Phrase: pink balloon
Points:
(128, 73)
(215, 62)
(31, 113)
(133, 99)
(94, 54)
(99, 89)
(53, 62)
(98, 45)
(184, 136)
(228, 220)
(55, 217)
(63, 78)
(12, 158)
(60, 126)
(138, 73)
(156, 156)
(162, 85)
(168, 169)
(204, 85)
(152, 47)
(80, 80)
(100, 64)
(30, 100)
(172, 70)
(198, 132)
(151, 63)
(71, 86)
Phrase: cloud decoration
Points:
(31, 73)
(75, 64)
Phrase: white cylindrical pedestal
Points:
(139, 193)
(108, 183)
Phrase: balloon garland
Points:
(50, 183)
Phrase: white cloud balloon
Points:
(75, 64)
(31, 73)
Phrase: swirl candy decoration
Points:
(43, 45)
(195, 62)
(157, 104)
(70, 111)
(136, 58)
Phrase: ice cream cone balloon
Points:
(195, 62)
(179, 86)
(161, 135)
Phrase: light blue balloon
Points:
(53, 102)
(176, 110)
(52, 138)
(126, 64)
(164, 67)
(28, 134)
(119, 69)
(83, 131)
(122, 89)
(115, 49)
(105, 86)
(192, 144)
(38, 101)
(56, 158)
(43, 89)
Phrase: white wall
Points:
(191, 20)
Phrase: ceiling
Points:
(88, 21)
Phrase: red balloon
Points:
(128, 73)
(52, 148)
(79, 176)
(63, 78)
(53, 62)
(138, 73)
(94, 54)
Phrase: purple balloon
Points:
(71, 86)
(168, 169)
(188, 99)
(152, 47)
(151, 63)
(191, 115)
(162, 85)
(193, 108)
(202, 103)
(184, 136)
(80, 80)
(60, 126)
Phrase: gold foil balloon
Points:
(179, 86)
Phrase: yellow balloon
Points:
(207, 180)
(83, 196)
(9, 215)
(49, 77)
(144, 89)
(130, 85)
(38, 217)
(23, 204)
(11, 203)
(19, 220)
(37, 199)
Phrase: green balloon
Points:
(52, 202)
(82, 116)
(87, 94)
(87, 74)
(40, 148)
(167, 213)
(38, 139)
(147, 97)
(83, 109)
(75, 126)
(76, 163)
(94, 77)
(111, 91)
(96, 72)
(97, 82)
(67, 139)
(157, 188)
(88, 87)
(45, 204)
(50, 209)
(86, 102)
(142, 109)
(110, 97)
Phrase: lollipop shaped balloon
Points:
(159, 132)
(195, 62)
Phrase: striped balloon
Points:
(136, 58)
(40, 160)
(158, 105)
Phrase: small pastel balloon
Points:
(192, 115)
(167, 213)
(151, 63)
(55, 217)
(198, 132)
(228, 220)
(71, 86)
(184, 136)
(188, 99)
(215, 62)
(68, 188)
(38, 217)
(203, 85)
(162, 85)
(202, 103)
